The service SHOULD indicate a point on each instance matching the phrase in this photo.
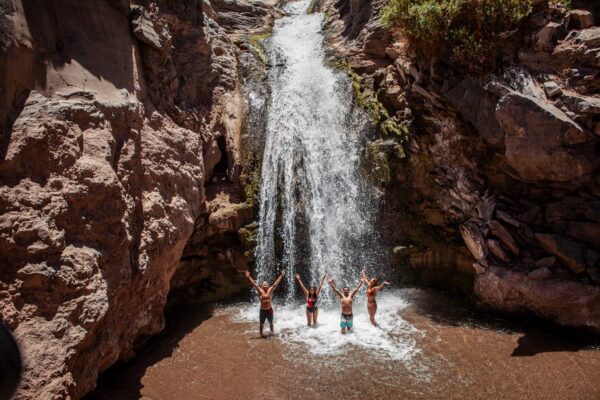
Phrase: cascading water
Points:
(314, 207)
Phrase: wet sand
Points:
(464, 354)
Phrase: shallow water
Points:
(394, 338)
(428, 346)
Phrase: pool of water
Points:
(427, 346)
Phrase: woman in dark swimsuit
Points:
(312, 294)
(372, 290)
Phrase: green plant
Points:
(257, 44)
(469, 29)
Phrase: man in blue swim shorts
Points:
(346, 299)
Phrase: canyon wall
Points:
(491, 179)
(120, 125)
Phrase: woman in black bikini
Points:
(372, 290)
(312, 294)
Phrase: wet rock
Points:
(539, 274)
(538, 140)
(566, 250)
(499, 231)
(580, 19)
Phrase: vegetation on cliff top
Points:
(471, 29)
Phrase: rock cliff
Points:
(120, 129)
(492, 177)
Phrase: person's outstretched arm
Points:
(360, 283)
(364, 277)
(321, 284)
(277, 281)
(301, 285)
(384, 284)
(247, 273)
(335, 289)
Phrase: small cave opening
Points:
(223, 164)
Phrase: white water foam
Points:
(394, 338)
(314, 205)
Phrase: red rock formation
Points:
(110, 117)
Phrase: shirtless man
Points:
(346, 298)
(265, 295)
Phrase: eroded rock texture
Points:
(492, 179)
(114, 118)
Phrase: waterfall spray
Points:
(314, 206)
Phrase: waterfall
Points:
(314, 206)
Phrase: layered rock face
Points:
(492, 179)
(115, 120)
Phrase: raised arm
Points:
(335, 289)
(384, 284)
(360, 283)
(301, 285)
(277, 281)
(364, 277)
(321, 284)
(247, 273)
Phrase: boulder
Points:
(580, 19)
(581, 104)
(474, 240)
(565, 302)
(539, 274)
(566, 250)
(499, 231)
(506, 217)
(520, 80)
(143, 28)
(590, 38)
(546, 36)
(539, 140)
(546, 262)
(497, 250)
(552, 89)
(477, 106)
